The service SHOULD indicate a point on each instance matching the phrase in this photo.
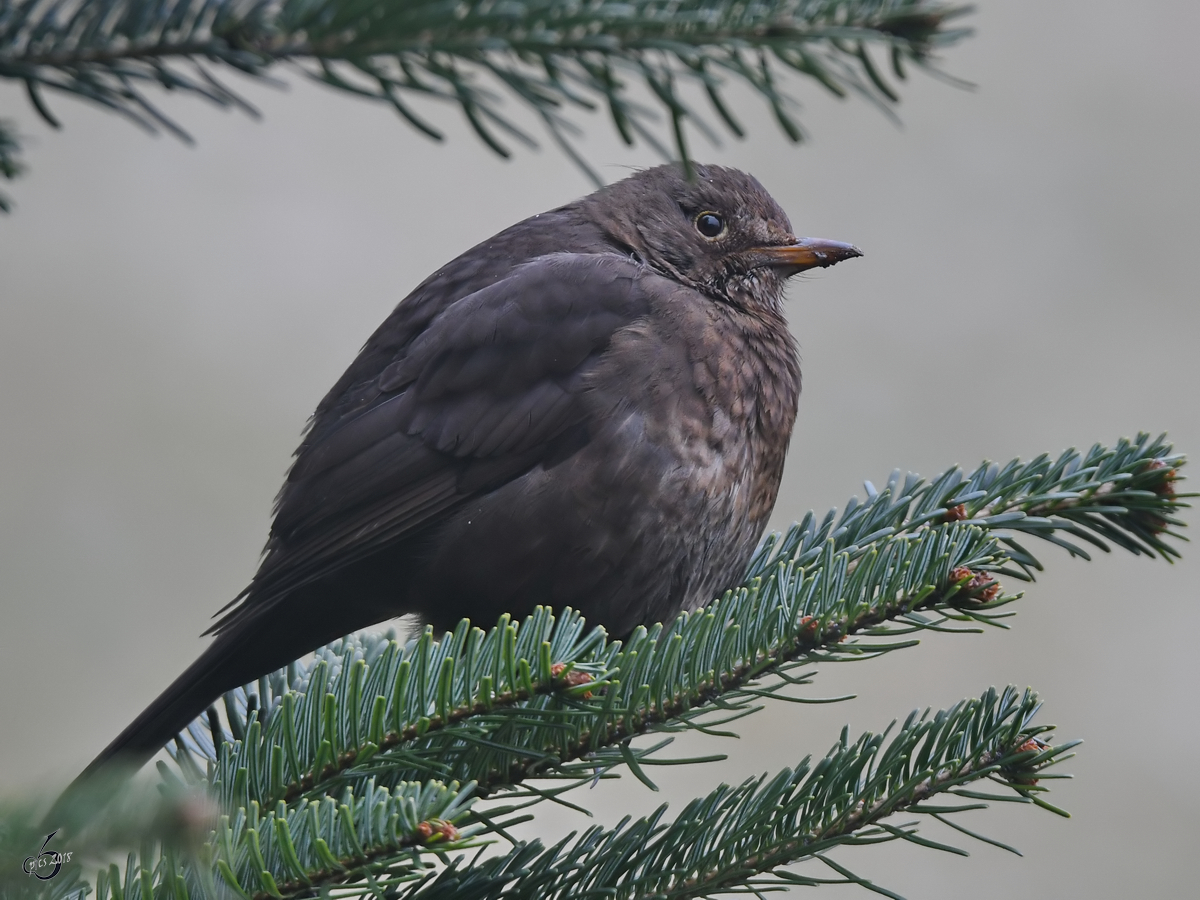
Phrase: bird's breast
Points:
(687, 416)
(714, 391)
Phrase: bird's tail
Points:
(222, 667)
(253, 645)
(228, 662)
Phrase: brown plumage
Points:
(590, 409)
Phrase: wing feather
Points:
(492, 385)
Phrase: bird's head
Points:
(720, 232)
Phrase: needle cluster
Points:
(552, 59)
(376, 766)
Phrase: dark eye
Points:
(709, 224)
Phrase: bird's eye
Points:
(709, 224)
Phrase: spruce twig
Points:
(367, 769)
(550, 57)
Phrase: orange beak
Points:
(806, 253)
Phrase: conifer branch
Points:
(582, 700)
(378, 842)
(10, 165)
(730, 838)
(1124, 494)
(550, 700)
(351, 773)
(550, 57)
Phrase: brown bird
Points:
(590, 409)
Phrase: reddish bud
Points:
(1166, 487)
(436, 828)
(1031, 745)
(573, 678)
(981, 586)
(955, 513)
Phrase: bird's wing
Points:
(487, 390)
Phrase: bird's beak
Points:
(806, 253)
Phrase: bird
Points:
(589, 409)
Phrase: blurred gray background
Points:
(170, 316)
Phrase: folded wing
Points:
(491, 387)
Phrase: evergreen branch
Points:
(382, 837)
(547, 55)
(1124, 494)
(367, 696)
(380, 840)
(469, 708)
(728, 839)
(363, 750)
(430, 710)
(10, 165)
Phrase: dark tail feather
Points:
(269, 638)
(227, 663)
